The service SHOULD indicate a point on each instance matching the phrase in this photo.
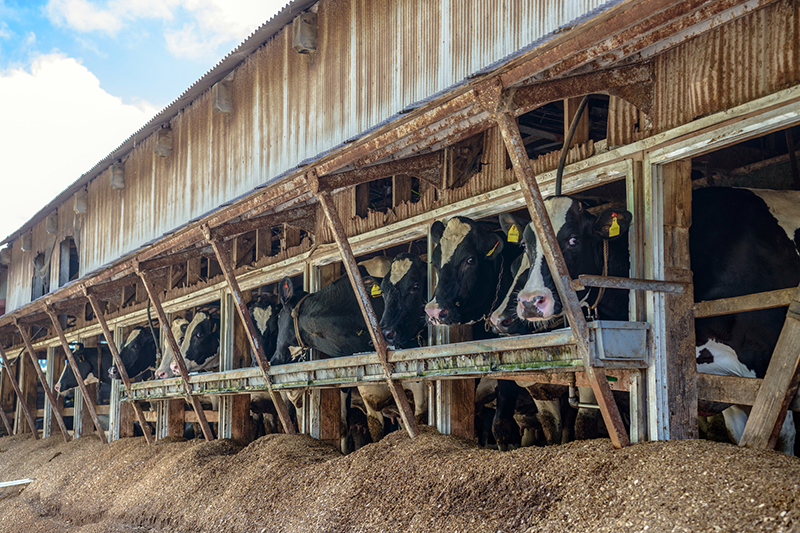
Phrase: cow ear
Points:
(495, 246)
(612, 223)
(286, 290)
(372, 286)
(437, 230)
(512, 227)
(184, 327)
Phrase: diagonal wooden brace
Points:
(223, 258)
(28, 414)
(123, 374)
(363, 298)
(87, 398)
(555, 260)
(173, 344)
(3, 414)
(26, 338)
(779, 386)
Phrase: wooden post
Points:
(26, 338)
(24, 406)
(244, 315)
(176, 418)
(330, 420)
(401, 189)
(263, 243)
(545, 235)
(123, 373)
(27, 384)
(55, 365)
(363, 298)
(173, 344)
(291, 237)
(680, 337)
(83, 422)
(582, 132)
(240, 416)
(87, 397)
(234, 410)
(193, 271)
(3, 415)
(779, 387)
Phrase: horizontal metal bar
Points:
(610, 282)
(740, 304)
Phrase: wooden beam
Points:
(241, 306)
(330, 420)
(123, 373)
(3, 415)
(13, 380)
(349, 261)
(87, 396)
(741, 304)
(582, 132)
(26, 338)
(427, 167)
(680, 338)
(780, 385)
(491, 101)
(173, 344)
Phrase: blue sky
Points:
(83, 75)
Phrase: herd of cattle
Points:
(742, 241)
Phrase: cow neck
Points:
(296, 319)
(591, 310)
(485, 316)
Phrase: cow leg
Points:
(587, 420)
(736, 419)
(548, 404)
(374, 397)
(420, 392)
(504, 427)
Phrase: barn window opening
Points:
(69, 269)
(41, 275)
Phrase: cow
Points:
(741, 241)
(405, 292)
(200, 346)
(264, 311)
(178, 328)
(138, 355)
(87, 361)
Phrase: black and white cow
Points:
(200, 346)
(405, 292)
(87, 361)
(264, 311)
(138, 355)
(164, 370)
(741, 241)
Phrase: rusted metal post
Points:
(123, 374)
(167, 331)
(227, 270)
(87, 397)
(491, 101)
(26, 338)
(363, 298)
(28, 415)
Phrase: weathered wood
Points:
(240, 417)
(545, 235)
(741, 304)
(263, 243)
(173, 344)
(401, 189)
(680, 337)
(127, 415)
(3, 415)
(611, 282)
(193, 270)
(252, 335)
(85, 424)
(13, 380)
(427, 167)
(349, 261)
(176, 418)
(462, 408)
(291, 237)
(582, 131)
(123, 373)
(28, 385)
(26, 338)
(360, 200)
(330, 420)
(780, 385)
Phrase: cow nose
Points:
(112, 371)
(436, 313)
(161, 374)
(390, 335)
(175, 369)
(534, 305)
(57, 387)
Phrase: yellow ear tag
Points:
(613, 231)
(493, 249)
(214, 328)
(513, 234)
(376, 290)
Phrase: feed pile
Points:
(433, 483)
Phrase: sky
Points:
(78, 77)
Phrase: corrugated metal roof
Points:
(260, 36)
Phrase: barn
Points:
(341, 131)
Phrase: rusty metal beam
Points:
(123, 373)
(496, 104)
(29, 417)
(87, 398)
(167, 331)
(224, 260)
(427, 167)
(303, 217)
(611, 282)
(181, 257)
(363, 299)
(632, 83)
(26, 338)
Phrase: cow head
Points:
(468, 264)
(504, 317)
(286, 346)
(87, 366)
(264, 312)
(138, 353)
(580, 236)
(178, 327)
(200, 346)
(405, 291)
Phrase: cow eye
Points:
(415, 287)
(573, 241)
(198, 334)
(470, 260)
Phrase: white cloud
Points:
(61, 125)
(83, 15)
(5, 31)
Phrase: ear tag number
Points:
(375, 291)
(493, 249)
(513, 234)
(613, 231)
